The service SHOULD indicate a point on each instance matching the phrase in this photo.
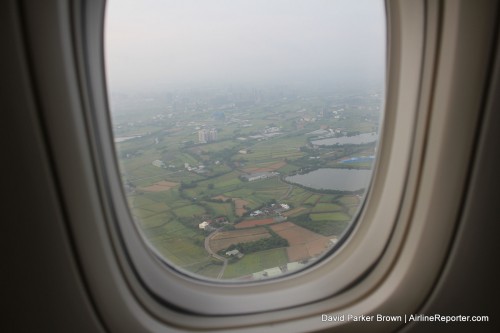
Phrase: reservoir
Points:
(333, 179)
(348, 140)
(126, 138)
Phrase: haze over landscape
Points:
(245, 130)
(156, 44)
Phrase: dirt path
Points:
(284, 196)
(215, 255)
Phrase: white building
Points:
(212, 135)
(232, 253)
(272, 130)
(259, 175)
(256, 213)
(158, 163)
(203, 225)
(205, 136)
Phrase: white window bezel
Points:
(352, 260)
(134, 291)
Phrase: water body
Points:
(360, 159)
(348, 140)
(333, 179)
(125, 138)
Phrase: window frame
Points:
(405, 208)
(286, 291)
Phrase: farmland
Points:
(254, 223)
(159, 186)
(255, 262)
(304, 244)
(193, 195)
(225, 239)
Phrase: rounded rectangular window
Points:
(246, 130)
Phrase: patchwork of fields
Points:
(169, 220)
(202, 192)
(222, 240)
(304, 244)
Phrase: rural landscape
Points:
(245, 183)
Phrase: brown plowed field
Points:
(160, 186)
(221, 197)
(223, 240)
(254, 223)
(238, 203)
(240, 206)
(304, 244)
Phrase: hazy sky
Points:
(163, 44)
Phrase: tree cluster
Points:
(273, 242)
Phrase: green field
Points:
(215, 147)
(239, 193)
(143, 213)
(312, 199)
(329, 198)
(256, 262)
(149, 209)
(183, 176)
(170, 218)
(221, 209)
(229, 179)
(181, 245)
(336, 216)
(209, 269)
(288, 169)
(189, 211)
(325, 228)
(326, 207)
(349, 200)
(153, 221)
(298, 196)
(353, 210)
(187, 158)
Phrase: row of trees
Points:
(273, 242)
(260, 245)
(325, 228)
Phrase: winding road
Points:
(215, 255)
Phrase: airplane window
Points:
(246, 131)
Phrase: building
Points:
(259, 175)
(272, 130)
(158, 163)
(203, 225)
(256, 213)
(285, 206)
(205, 136)
(212, 135)
(221, 219)
(232, 253)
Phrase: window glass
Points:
(245, 130)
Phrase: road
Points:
(215, 255)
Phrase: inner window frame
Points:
(394, 160)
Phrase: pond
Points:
(333, 179)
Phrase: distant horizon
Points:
(154, 46)
(316, 86)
